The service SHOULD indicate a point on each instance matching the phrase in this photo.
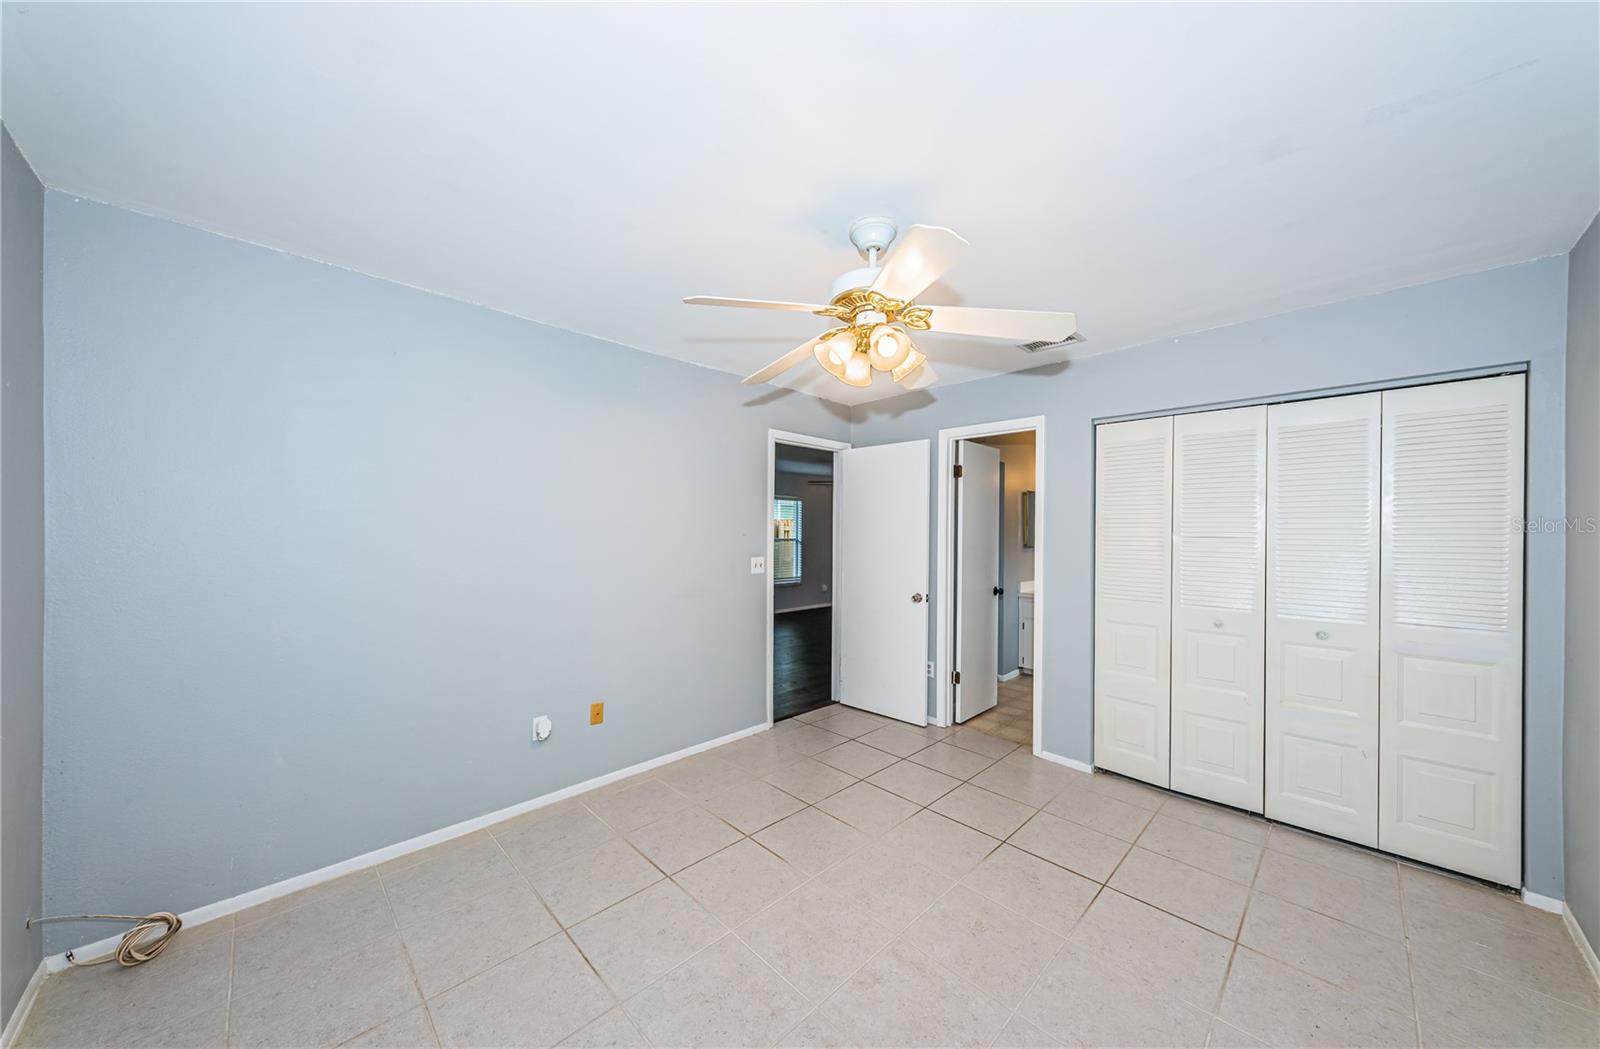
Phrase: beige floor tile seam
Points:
(1065, 940)
(1238, 946)
(1404, 864)
(732, 931)
(1411, 960)
(1517, 988)
(1174, 814)
(1355, 847)
(1233, 952)
(343, 952)
(728, 929)
(896, 938)
(227, 1018)
(411, 967)
(561, 930)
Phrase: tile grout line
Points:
(1233, 949)
(233, 951)
(405, 953)
(1411, 967)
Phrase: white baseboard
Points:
(19, 1015)
(802, 608)
(246, 900)
(1008, 677)
(1542, 902)
(1071, 763)
(1584, 946)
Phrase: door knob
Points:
(916, 599)
(1322, 635)
(1217, 623)
(999, 590)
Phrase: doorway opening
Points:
(990, 561)
(801, 629)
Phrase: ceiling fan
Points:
(876, 307)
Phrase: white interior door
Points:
(881, 562)
(977, 578)
(1450, 777)
(1322, 615)
(1218, 636)
(1132, 602)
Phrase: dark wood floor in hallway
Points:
(802, 661)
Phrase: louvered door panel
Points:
(1322, 615)
(1450, 781)
(1218, 546)
(1133, 573)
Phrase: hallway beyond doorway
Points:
(1010, 719)
(802, 665)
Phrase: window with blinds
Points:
(785, 540)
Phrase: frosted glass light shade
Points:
(858, 371)
(912, 363)
(888, 347)
(840, 346)
(825, 359)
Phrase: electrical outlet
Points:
(758, 566)
(597, 713)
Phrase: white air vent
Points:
(1040, 347)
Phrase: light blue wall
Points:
(1514, 314)
(321, 546)
(1581, 765)
(21, 568)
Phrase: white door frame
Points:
(944, 566)
(775, 438)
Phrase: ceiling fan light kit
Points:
(876, 305)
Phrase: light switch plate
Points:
(758, 566)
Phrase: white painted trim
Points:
(1584, 946)
(19, 1015)
(1071, 763)
(802, 608)
(246, 900)
(1541, 902)
(1015, 673)
(775, 438)
(943, 707)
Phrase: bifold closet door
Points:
(1219, 561)
(1133, 608)
(1322, 615)
(1450, 778)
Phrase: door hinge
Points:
(958, 469)
(955, 677)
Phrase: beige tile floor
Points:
(1011, 718)
(849, 881)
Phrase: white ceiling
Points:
(1157, 169)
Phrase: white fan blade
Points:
(920, 258)
(920, 379)
(1016, 325)
(753, 304)
(784, 363)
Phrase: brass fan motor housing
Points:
(848, 305)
